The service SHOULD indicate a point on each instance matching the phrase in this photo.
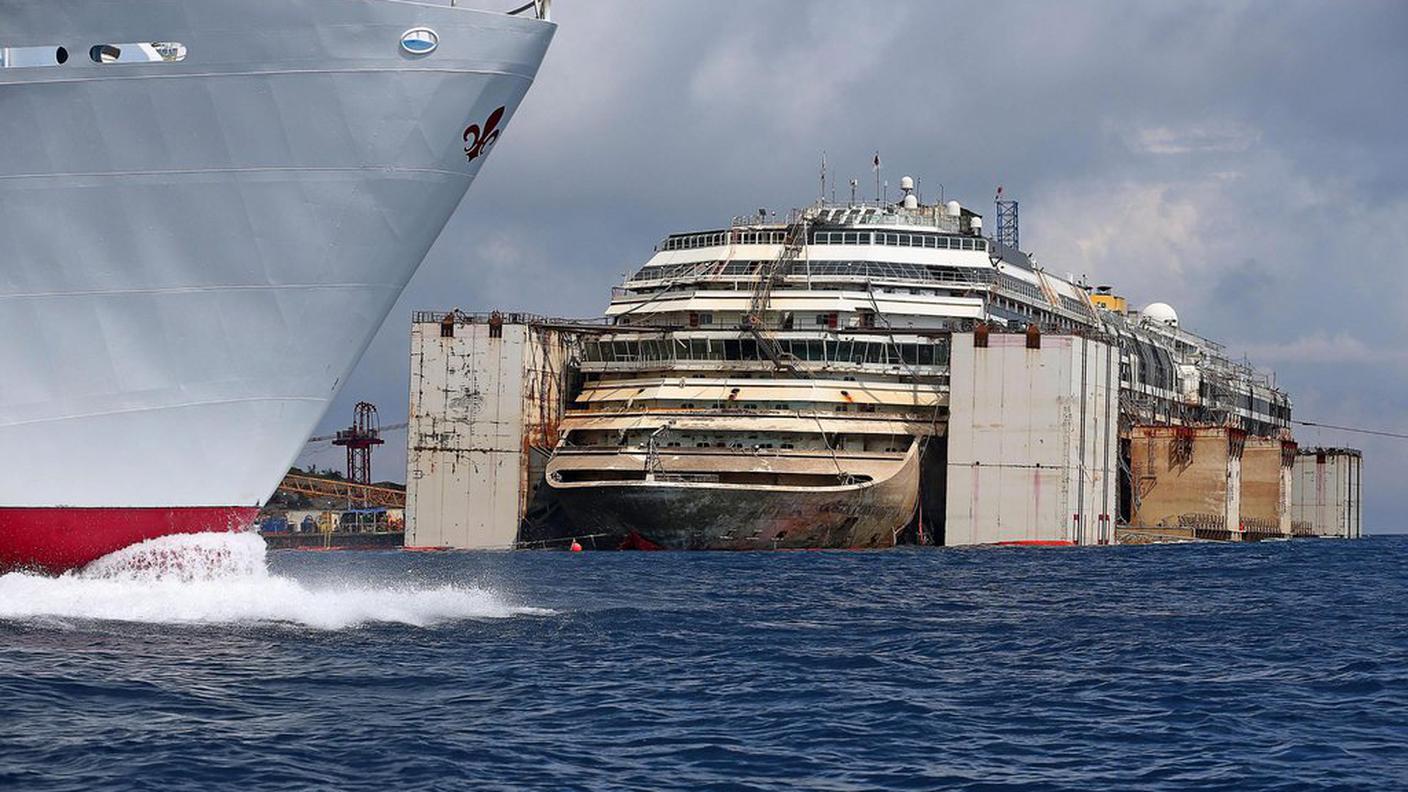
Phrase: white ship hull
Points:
(197, 252)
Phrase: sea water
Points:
(202, 663)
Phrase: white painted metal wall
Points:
(1033, 441)
(1327, 492)
(477, 402)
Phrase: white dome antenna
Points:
(1162, 313)
(907, 197)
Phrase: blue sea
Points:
(213, 665)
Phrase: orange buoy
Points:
(576, 546)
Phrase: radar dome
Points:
(1162, 313)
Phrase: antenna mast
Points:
(1006, 231)
(877, 177)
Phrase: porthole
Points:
(420, 41)
(61, 55)
(139, 52)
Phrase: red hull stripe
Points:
(59, 539)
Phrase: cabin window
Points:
(140, 52)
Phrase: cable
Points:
(1374, 431)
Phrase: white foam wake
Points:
(224, 579)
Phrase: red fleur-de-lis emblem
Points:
(477, 140)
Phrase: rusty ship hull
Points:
(669, 513)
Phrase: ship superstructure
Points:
(785, 383)
(209, 207)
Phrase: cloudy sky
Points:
(1245, 161)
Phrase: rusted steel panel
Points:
(1265, 488)
(484, 396)
(1189, 478)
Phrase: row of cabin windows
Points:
(1246, 401)
(1020, 287)
(139, 52)
(864, 319)
(692, 241)
(725, 405)
(878, 351)
(933, 241)
(788, 440)
(889, 270)
(760, 237)
(752, 406)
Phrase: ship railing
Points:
(503, 317)
(855, 213)
(542, 9)
(804, 271)
(765, 218)
(936, 374)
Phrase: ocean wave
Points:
(224, 579)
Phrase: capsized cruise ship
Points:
(208, 208)
(785, 383)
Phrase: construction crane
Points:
(360, 438)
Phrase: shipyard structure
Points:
(855, 375)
